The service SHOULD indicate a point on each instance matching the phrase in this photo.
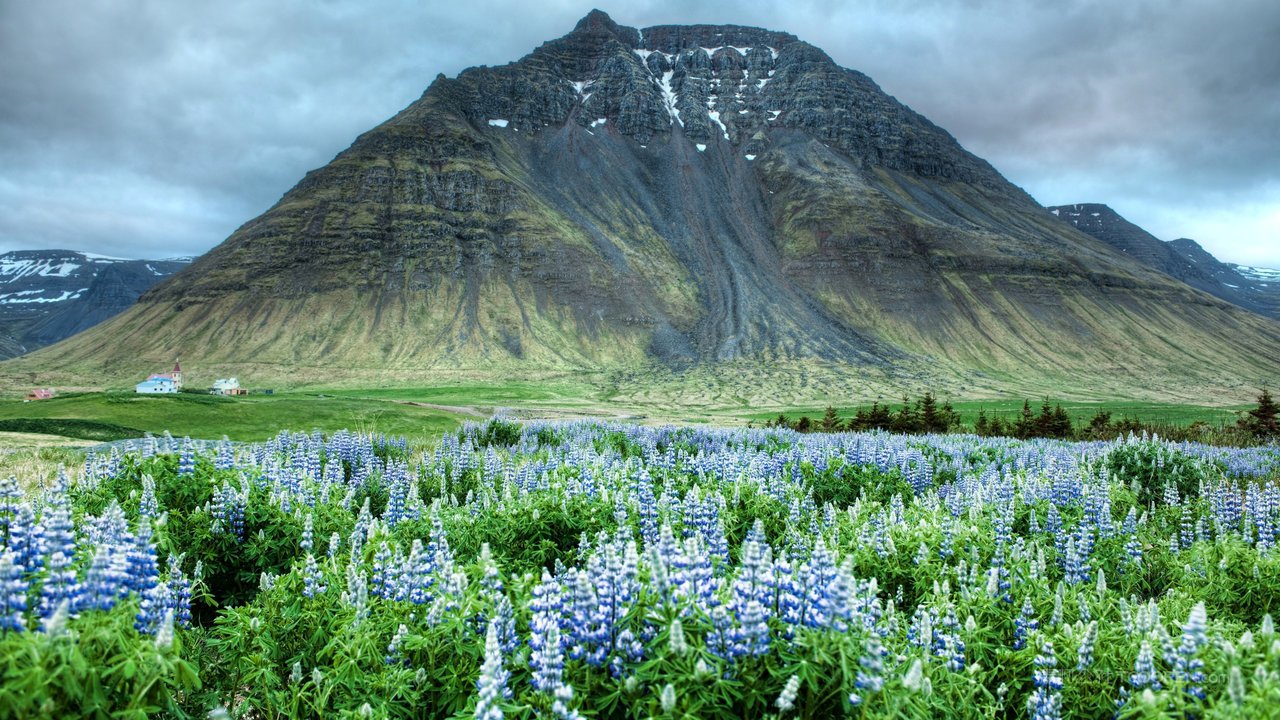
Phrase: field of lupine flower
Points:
(606, 570)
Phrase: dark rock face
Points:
(1182, 259)
(48, 295)
(674, 196)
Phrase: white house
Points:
(227, 386)
(156, 385)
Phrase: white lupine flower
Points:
(668, 698)
(1246, 640)
(787, 699)
(914, 679)
(164, 636)
(1235, 685)
(676, 638)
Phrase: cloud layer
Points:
(154, 128)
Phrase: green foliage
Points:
(1146, 467)
(95, 666)
(529, 535)
(70, 427)
(842, 484)
(1262, 420)
(497, 432)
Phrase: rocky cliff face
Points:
(1182, 259)
(49, 295)
(676, 199)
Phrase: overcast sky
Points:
(153, 128)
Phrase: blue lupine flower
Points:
(394, 651)
(1188, 668)
(1045, 702)
(1084, 653)
(492, 685)
(57, 538)
(1144, 669)
(105, 581)
(186, 458)
(547, 660)
(312, 578)
(24, 539)
(13, 592)
(1024, 624)
(870, 678)
(147, 505)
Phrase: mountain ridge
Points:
(1183, 258)
(50, 295)
(663, 202)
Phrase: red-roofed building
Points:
(40, 394)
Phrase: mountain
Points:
(718, 214)
(49, 295)
(1182, 259)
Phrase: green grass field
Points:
(1080, 412)
(410, 411)
(243, 418)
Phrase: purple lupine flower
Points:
(1024, 624)
(394, 652)
(1187, 667)
(13, 592)
(58, 544)
(492, 684)
(312, 578)
(1144, 669)
(547, 660)
(1045, 702)
(1084, 653)
(105, 581)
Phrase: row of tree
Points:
(926, 415)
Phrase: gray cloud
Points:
(156, 127)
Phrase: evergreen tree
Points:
(830, 422)
(1000, 428)
(1026, 425)
(949, 417)
(1044, 422)
(1262, 419)
(1100, 425)
(1061, 423)
(930, 422)
(907, 420)
(879, 416)
(804, 424)
(982, 427)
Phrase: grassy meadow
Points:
(420, 412)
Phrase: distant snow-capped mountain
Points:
(48, 295)
(1256, 289)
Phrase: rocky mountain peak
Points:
(597, 22)
(671, 199)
